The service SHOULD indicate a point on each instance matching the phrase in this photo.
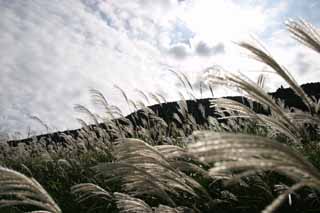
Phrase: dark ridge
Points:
(166, 111)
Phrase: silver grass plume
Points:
(255, 93)
(143, 170)
(17, 189)
(128, 204)
(305, 33)
(266, 58)
(231, 106)
(85, 110)
(85, 191)
(239, 152)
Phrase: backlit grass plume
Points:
(143, 170)
(228, 152)
(17, 190)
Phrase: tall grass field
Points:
(242, 160)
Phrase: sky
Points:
(53, 52)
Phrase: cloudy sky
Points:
(53, 52)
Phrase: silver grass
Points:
(186, 79)
(245, 112)
(177, 118)
(128, 204)
(98, 98)
(85, 191)
(164, 100)
(261, 80)
(302, 117)
(267, 59)
(238, 152)
(155, 97)
(202, 110)
(133, 104)
(183, 107)
(211, 90)
(279, 126)
(83, 109)
(305, 33)
(17, 189)
(167, 209)
(143, 95)
(182, 160)
(142, 169)
(232, 105)
(140, 104)
(122, 92)
(41, 122)
(135, 181)
(181, 79)
(254, 92)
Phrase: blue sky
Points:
(53, 52)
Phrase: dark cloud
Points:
(179, 51)
(204, 49)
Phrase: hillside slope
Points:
(166, 111)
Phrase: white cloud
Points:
(52, 52)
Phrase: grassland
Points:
(250, 162)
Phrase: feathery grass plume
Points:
(229, 106)
(114, 111)
(261, 80)
(239, 152)
(98, 97)
(201, 84)
(82, 123)
(145, 171)
(133, 104)
(233, 106)
(177, 118)
(140, 104)
(36, 118)
(186, 79)
(128, 204)
(249, 151)
(211, 91)
(83, 109)
(254, 92)
(85, 191)
(302, 117)
(278, 127)
(155, 97)
(124, 95)
(305, 33)
(167, 209)
(266, 58)
(202, 110)
(143, 95)
(164, 100)
(17, 189)
(135, 181)
(182, 160)
(181, 79)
